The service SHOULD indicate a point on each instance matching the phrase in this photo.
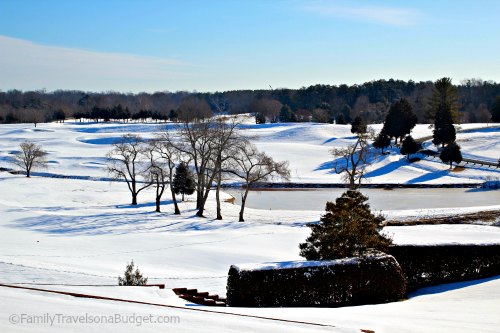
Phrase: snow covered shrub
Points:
(427, 265)
(348, 229)
(131, 278)
(375, 278)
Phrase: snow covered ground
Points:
(78, 149)
(83, 232)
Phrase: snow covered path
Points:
(458, 307)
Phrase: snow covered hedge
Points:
(426, 265)
(374, 279)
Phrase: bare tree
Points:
(254, 166)
(31, 156)
(157, 173)
(352, 160)
(34, 115)
(226, 138)
(127, 162)
(168, 155)
(196, 142)
(194, 109)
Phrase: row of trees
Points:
(119, 113)
(476, 102)
(215, 150)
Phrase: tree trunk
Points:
(174, 199)
(199, 191)
(198, 198)
(158, 205)
(28, 172)
(201, 209)
(243, 201)
(217, 199)
(134, 192)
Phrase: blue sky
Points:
(211, 45)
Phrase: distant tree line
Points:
(476, 101)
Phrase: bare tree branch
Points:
(127, 161)
(31, 156)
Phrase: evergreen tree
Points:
(382, 141)
(286, 115)
(451, 153)
(400, 120)
(173, 115)
(495, 111)
(409, 146)
(131, 278)
(260, 118)
(183, 181)
(346, 111)
(444, 132)
(358, 126)
(444, 94)
(347, 229)
(341, 119)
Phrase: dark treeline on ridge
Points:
(319, 103)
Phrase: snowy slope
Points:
(80, 231)
(78, 149)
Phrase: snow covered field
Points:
(83, 232)
(78, 149)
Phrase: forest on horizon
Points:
(319, 103)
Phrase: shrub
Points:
(426, 265)
(368, 280)
(409, 146)
(348, 229)
(131, 278)
(451, 153)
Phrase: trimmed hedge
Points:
(426, 265)
(373, 279)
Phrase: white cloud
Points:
(375, 14)
(27, 65)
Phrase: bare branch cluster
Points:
(31, 156)
(352, 161)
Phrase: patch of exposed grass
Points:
(481, 217)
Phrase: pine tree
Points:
(358, 126)
(183, 181)
(131, 278)
(341, 119)
(451, 153)
(444, 132)
(286, 114)
(444, 94)
(409, 146)
(173, 115)
(260, 118)
(347, 229)
(495, 111)
(382, 141)
(346, 111)
(400, 120)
